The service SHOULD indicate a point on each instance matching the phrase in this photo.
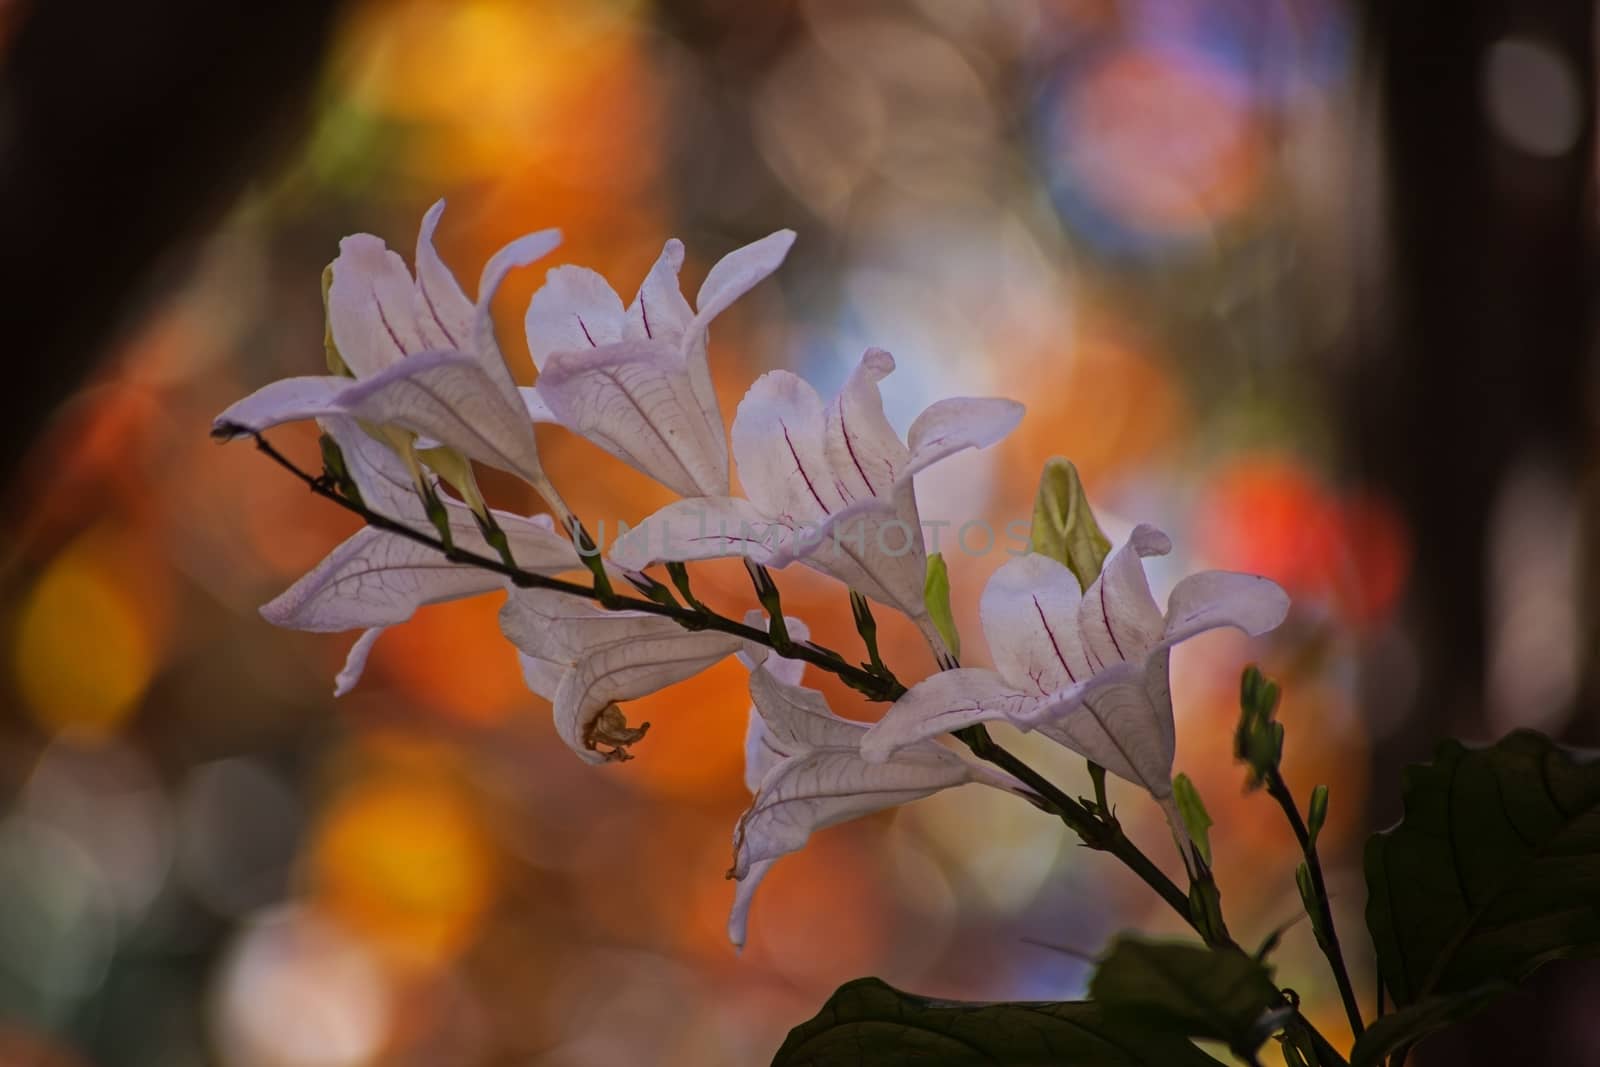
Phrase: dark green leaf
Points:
(1410, 1025)
(1493, 870)
(1191, 991)
(867, 1023)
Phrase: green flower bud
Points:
(1064, 527)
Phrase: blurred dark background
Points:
(1308, 283)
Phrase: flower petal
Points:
(355, 664)
(382, 479)
(778, 436)
(538, 411)
(1210, 599)
(738, 272)
(1118, 617)
(285, 400)
(806, 770)
(762, 749)
(374, 578)
(451, 312)
(659, 312)
(1119, 727)
(482, 344)
(729, 278)
(866, 530)
(650, 660)
(952, 425)
(374, 310)
(543, 676)
(614, 656)
(574, 309)
(743, 896)
(635, 400)
(825, 787)
(940, 704)
(799, 719)
(377, 578)
(875, 546)
(864, 452)
(1030, 619)
(700, 528)
(761, 752)
(447, 397)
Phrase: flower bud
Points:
(1064, 527)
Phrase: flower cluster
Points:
(418, 391)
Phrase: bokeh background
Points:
(1305, 283)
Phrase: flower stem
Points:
(1327, 936)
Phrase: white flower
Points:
(1086, 669)
(804, 767)
(424, 357)
(636, 381)
(830, 486)
(586, 660)
(376, 579)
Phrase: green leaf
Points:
(1410, 1025)
(1064, 527)
(1493, 870)
(1191, 991)
(1195, 817)
(867, 1023)
(936, 595)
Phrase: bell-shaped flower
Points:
(635, 381)
(376, 578)
(804, 767)
(828, 485)
(1088, 669)
(586, 661)
(423, 356)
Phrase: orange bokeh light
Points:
(401, 857)
(1269, 514)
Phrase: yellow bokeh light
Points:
(84, 654)
(506, 83)
(405, 863)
